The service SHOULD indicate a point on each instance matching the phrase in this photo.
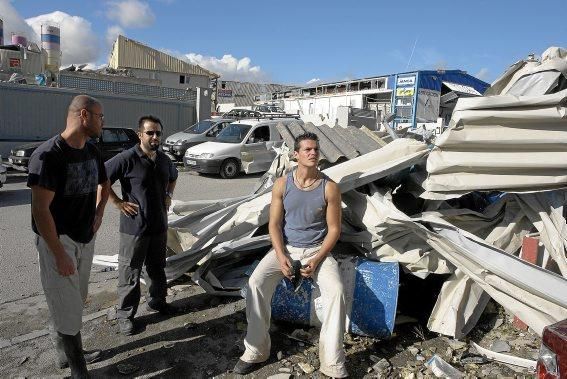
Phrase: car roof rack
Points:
(261, 116)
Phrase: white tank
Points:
(51, 43)
(18, 39)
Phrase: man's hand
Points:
(167, 202)
(285, 266)
(127, 208)
(65, 265)
(309, 268)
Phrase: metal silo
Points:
(18, 39)
(51, 43)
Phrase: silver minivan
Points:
(206, 130)
(243, 146)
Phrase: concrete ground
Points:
(206, 339)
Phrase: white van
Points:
(244, 145)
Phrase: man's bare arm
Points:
(102, 194)
(41, 200)
(275, 226)
(334, 217)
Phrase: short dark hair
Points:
(150, 118)
(305, 136)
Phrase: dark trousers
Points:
(136, 252)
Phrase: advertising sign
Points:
(405, 91)
(225, 92)
(406, 81)
(15, 62)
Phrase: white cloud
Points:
(112, 33)
(14, 23)
(131, 13)
(79, 43)
(483, 74)
(230, 68)
(313, 81)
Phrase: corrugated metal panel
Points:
(128, 53)
(243, 92)
(36, 113)
(335, 144)
(125, 88)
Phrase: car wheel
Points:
(229, 169)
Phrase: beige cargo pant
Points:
(262, 285)
(66, 295)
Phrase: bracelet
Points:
(169, 194)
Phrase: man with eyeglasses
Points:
(147, 179)
(69, 188)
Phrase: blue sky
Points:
(298, 41)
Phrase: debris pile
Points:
(460, 211)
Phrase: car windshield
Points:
(233, 133)
(200, 127)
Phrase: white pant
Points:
(66, 295)
(262, 285)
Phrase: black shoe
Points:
(244, 368)
(126, 326)
(91, 356)
(163, 308)
(74, 352)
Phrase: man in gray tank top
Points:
(305, 224)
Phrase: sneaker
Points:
(126, 326)
(244, 368)
(163, 308)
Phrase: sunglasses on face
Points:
(151, 133)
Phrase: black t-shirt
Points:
(144, 182)
(74, 175)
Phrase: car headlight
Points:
(20, 153)
(180, 142)
(205, 156)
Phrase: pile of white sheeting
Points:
(506, 143)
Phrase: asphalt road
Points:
(18, 257)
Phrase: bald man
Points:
(69, 192)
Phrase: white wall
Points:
(322, 106)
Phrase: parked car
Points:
(244, 145)
(552, 361)
(111, 142)
(203, 131)
(3, 175)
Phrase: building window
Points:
(181, 79)
(223, 85)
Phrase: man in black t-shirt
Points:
(147, 178)
(69, 192)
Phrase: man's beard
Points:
(154, 146)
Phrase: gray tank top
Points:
(305, 221)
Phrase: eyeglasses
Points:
(100, 115)
(151, 133)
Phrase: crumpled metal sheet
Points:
(242, 218)
(511, 144)
(335, 144)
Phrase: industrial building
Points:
(147, 63)
(416, 98)
(233, 94)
